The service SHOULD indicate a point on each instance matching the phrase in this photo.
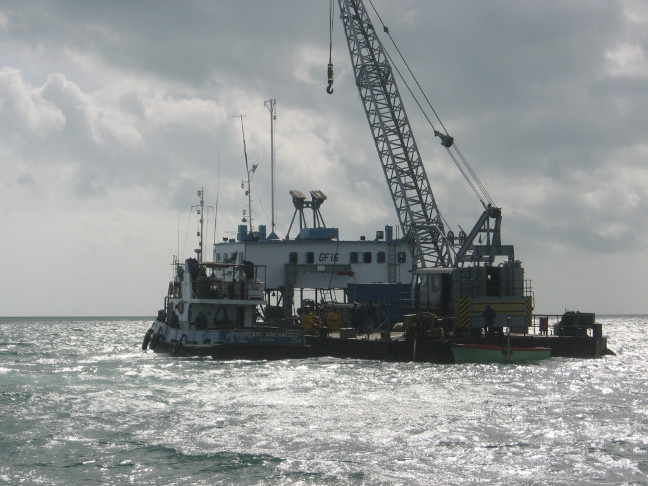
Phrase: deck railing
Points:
(547, 324)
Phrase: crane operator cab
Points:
(462, 295)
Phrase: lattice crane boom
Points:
(418, 214)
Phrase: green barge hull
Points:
(491, 353)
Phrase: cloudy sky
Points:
(113, 114)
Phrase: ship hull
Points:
(238, 343)
(488, 353)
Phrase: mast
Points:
(272, 108)
(200, 210)
(247, 171)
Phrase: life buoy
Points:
(147, 338)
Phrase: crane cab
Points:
(462, 294)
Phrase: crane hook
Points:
(329, 88)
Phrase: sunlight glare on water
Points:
(82, 404)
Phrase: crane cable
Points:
(446, 140)
(329, 88)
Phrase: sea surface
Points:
(81, 403)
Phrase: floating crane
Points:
(455, 275)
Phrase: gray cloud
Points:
(116, 112)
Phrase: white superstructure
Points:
(318, 261)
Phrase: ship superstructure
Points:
(316, 263)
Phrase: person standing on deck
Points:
(489, 320)
(174, 322)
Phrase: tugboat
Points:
(213, 309)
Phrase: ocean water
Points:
(80, 403)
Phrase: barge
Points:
(446, 285)
(569, 337)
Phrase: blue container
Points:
(396, 296)
(389, 233)
(318, 234)
(242, 232)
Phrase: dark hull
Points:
(237, 351)
(281, 344)
(489, 353)
(235, 343)
(440, 351)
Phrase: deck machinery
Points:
(455, 276)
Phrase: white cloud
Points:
(627, 60)
(186, 114)
(21, 102)
(636, 11)
(105, 122)
(308, 64)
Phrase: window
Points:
(292, 257)
(402, 257)
(310, 257)
(366, 257)
(380, 257)
(353, 257)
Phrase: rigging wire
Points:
(474, 176)
(217, 193)
(259, 198)
(446, 140)
(184, 247)
(461, 169)
(329, 88)
(386, 30)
